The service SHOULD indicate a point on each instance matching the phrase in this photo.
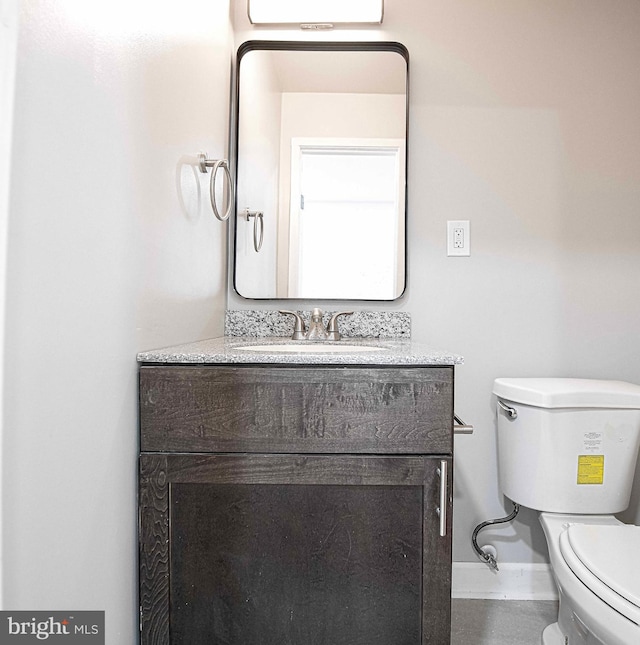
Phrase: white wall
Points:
(524, 120)
(258, 147)
(8, 48)
(104, 260)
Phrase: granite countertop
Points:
(228, 349)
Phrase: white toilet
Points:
(568, 448)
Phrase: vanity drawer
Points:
(315, 409)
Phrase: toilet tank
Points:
(573, 446)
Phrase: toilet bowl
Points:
(568, 448)
(596, 565)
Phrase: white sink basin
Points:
(316, 348)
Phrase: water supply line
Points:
(488, 558)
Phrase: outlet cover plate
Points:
(458, 238)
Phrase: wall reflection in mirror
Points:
(321, 152)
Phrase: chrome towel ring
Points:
(257, 236)
(216, 164)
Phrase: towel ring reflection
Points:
(216, 164)
(257, 237)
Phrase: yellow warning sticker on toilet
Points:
(590, 469)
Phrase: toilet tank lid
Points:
(568, 392)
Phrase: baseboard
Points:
(513, 581)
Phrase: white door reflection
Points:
(345, 191)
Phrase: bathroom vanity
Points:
(295, 497)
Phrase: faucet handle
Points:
(298, 327)
(332, 327)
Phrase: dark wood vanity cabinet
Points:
(295, 505)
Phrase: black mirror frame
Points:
(329, 46)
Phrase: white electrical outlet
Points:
(458, 239)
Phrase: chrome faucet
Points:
(317, 331)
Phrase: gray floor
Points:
(500, 622)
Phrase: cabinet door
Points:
(293, 549)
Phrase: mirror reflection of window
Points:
(346, 203)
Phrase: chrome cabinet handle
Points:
(442, 509)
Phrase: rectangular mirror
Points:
(321, 138)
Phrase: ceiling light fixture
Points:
(315, 14)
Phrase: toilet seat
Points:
(606, 559)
